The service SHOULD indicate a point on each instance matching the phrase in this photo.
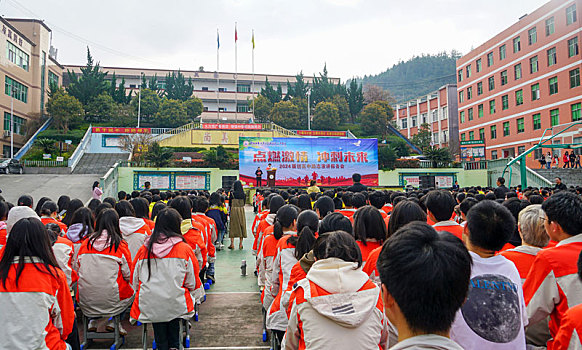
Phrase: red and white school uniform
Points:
(367, 249)
(269, 220)
(268, 254)
(523, 258)
(348, 213)
(194, 236)
(38, 313)
(280, 291)
(209, 234)
(3, 234)
(134, 231)
(48, 220)
(570, 333)
(451, 227)
(370, 267)
(64, 251)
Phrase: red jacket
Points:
(451, 227)
(570, 333)
(523, 258)
(47, 220)
(370, 267)
(367, 249)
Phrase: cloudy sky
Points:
(354, 37)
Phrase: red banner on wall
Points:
(99, 130)
(322, 133)
(220, 126)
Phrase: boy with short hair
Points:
(415, 258)
(440, 205)
(570, 332)
(493, 316)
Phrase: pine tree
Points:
(90, 84)
(355, 98)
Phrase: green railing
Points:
(44, 164)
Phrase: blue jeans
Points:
(221, 234)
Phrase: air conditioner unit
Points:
(6, 133)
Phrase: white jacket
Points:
(129, 227)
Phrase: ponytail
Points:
(307, 225)
(284, 219)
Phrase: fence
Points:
(495, 170)
(78, 154)
(478, 165)
(109, 182)
(44, 164)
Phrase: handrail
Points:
(80, 151)
(29, 143)
(350, 135)
(109, 181)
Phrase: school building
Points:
(28, 66)
(523, 81)
(438, 109)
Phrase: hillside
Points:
(417, 76)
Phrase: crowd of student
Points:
(144, 255)
(472, 268)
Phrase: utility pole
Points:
(139, 103)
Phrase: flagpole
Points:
(235, 76)
(253, 83)
(217, 76)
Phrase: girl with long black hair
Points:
(238, 222)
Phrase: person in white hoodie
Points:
(134, 230)
(336, 306)
(425, 280)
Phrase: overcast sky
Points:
(354, 37)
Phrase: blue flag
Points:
(217, 40)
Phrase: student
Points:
(49, 214)
(73, 206)
(157, 208)
(199, 208)
(304, 202)
(412, 259)
(369, 230)
(37, 308)
(378, 199)
(134, 230)
(238, 223)
(141, 208)
(440, 205)
(264, 229)
(336, 306)
(348, 210)
(214, 213)
(64, 252)
(570, 332)
(96, 191)
(166, 280)
(551, 287)
(104, 262)
(403, 213)
(25, 201)
(82, 226)
(3, 217)
(323, 206)
(192, 231)
(464, 207)
(494, 316)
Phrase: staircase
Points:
(571, 177)
(98, 163)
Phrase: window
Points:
(516, 44)
(468, 71)
(205, 88)
(571, 14)
(537, 121)
(520, 149)
(205, 109)
(462, 116)
(519, 97)
(469, 92)
(504, 102)
(435, 115)
(19, 124)
(492, 107)
(445, 113)
(491, 83)
(478, 65)
(461, 96)
(535, 92)
(161, 85)
(480, 110)
(463, 137)
(479, 88)
(555, 116)
(12, 86)
(520, 125)
(53, 79)
(493, 155)
(502, 52)
(550, 26)
(435, 137)
(242, 107)
(471, 135)
(493, 132)
(17, 56)
(460, 75)
(489, 59)
(517, 71)
(445, 135)
(405, 123)
(533, 64)
(221, 89)
(482, 134)
(551, 56)
(132, 86)
(538, 152)
(575, 109)
(553, 82)
(423, 118)
(506, 129)
(573, 47)
(243, 88)
(470, 114)
(532, 36)
(414, 120)
(503, 77)
(575, 78)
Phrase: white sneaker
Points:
(92, 327)
(111, 328)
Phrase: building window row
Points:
(15, 89)
(19, 124)
(17, 56)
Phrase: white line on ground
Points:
(233, 292)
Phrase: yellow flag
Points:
(253, 39)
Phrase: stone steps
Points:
(98, 163)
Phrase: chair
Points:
(88, 337)
(184, 341)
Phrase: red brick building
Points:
(522, 81)
(439, 110)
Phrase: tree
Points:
(137, 145)
(262, 108)
(423, 138)
(386, 157)
(440, 157)
(65, 109)
(399, 146)
(286, 114)
(171, 114)
(374, 120)
(153, 83)
(150, 104)
(101, 108)
(119, 95)
(144, 82)
(387, 108)
(47, 145)
(342, 106)
(177, 88)
(373, 93)
(326, 116)
(299, 89)
(323, 89)
(90, 84)
(158, 156)
(194, 107)
(124, 115)
(355, 99)
(270, 93)
(218, 157)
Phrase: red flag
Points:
(235, 34)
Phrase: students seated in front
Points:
(336, 306)
(36, 308)
(104, 263)
(440, 205)
(425, 280)
(134, 230)
(166, 280)
(569, 335)
(551, 285)
(49, 214)
(369, 230)
(494, 316)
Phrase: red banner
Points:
(106, 130)
(221, 126)
(322, 133)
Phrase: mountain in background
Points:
(416, 77)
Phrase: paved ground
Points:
(231, 316)
(52, 186)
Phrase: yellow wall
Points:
(213, 138)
